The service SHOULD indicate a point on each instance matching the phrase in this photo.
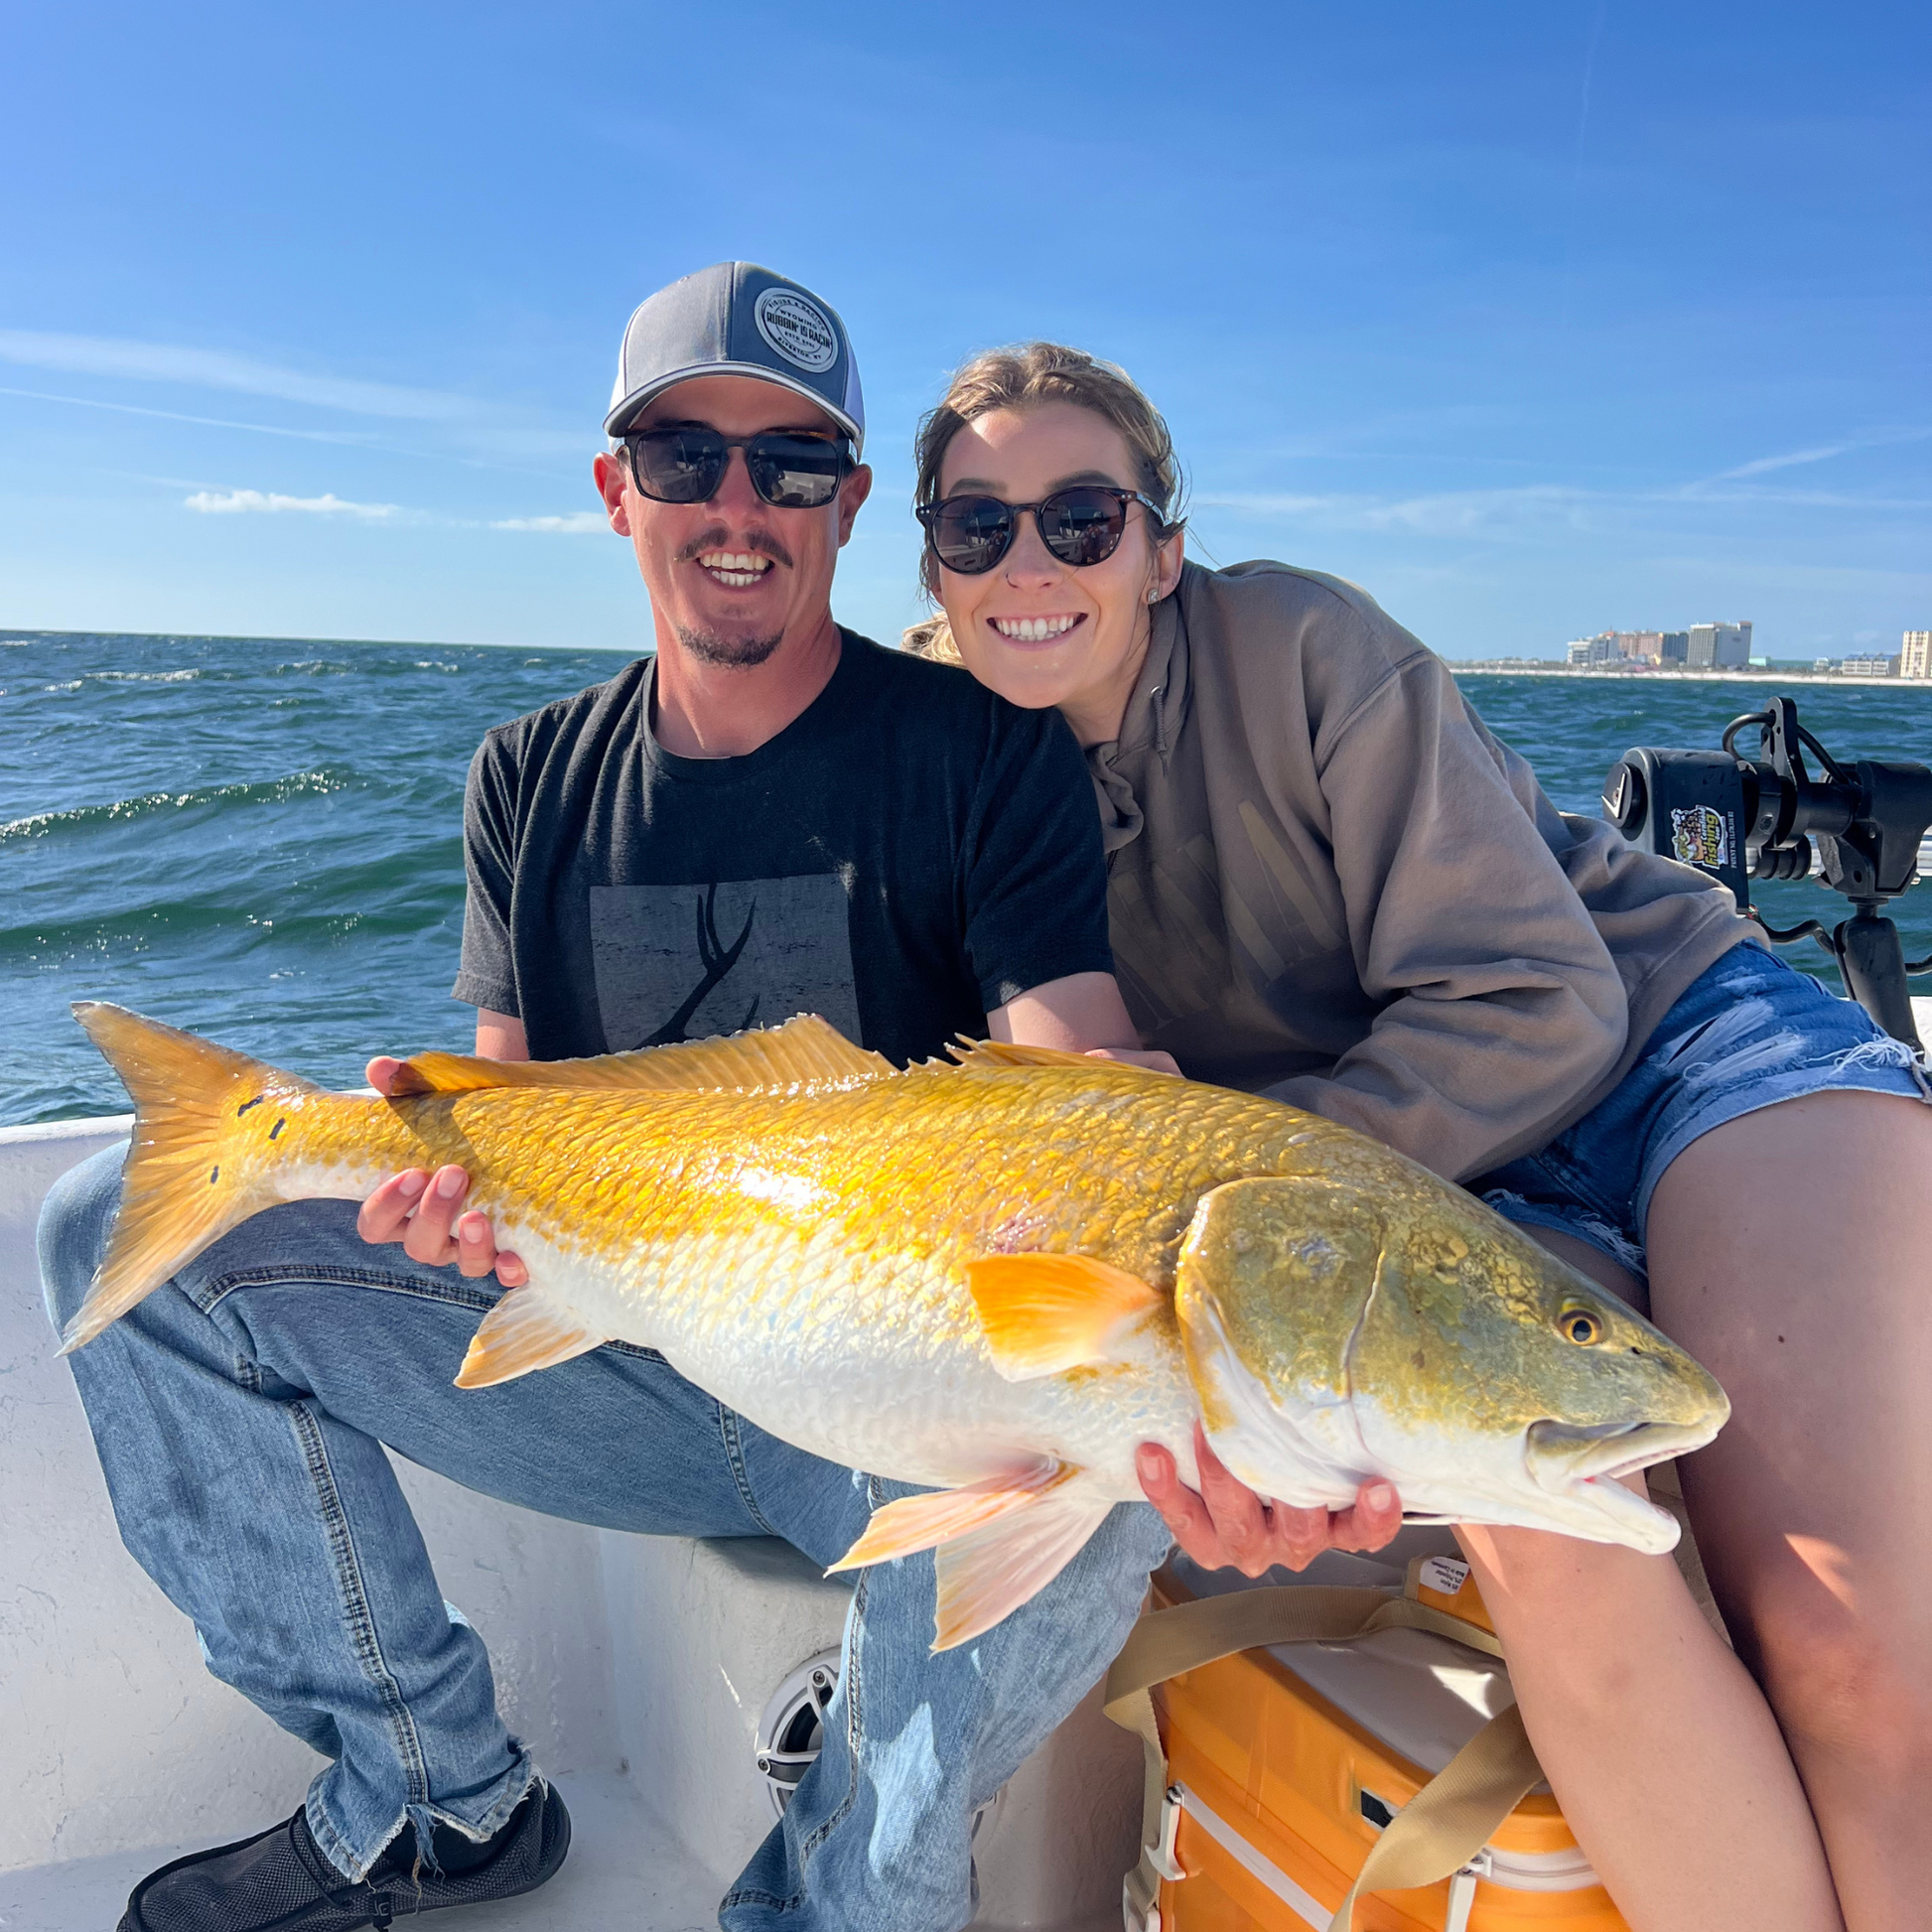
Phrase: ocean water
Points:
(262, 840)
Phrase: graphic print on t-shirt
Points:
(685, 962)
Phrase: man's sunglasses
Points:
(686, 462)
(1082, 525)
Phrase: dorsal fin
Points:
(989, 1053)
(805, 1052)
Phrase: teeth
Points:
(734, 567)
(1033, 630)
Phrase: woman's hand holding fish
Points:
(1228, 1527)
(424, 1212)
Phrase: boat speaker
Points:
(792, 1733)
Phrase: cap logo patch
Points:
(799, 331)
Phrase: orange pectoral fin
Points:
(525, 1331)
(1046, 1314)
(915, 1523)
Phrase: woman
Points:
(1330, 882)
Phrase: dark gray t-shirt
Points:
(908, 853)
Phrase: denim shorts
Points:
(1747, 1033)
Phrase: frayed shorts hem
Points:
(1750, 1032)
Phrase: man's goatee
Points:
(740, 652)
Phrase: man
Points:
(770, 816)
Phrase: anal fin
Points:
(1046, 1314)
(525, 1331)
(915, 1523)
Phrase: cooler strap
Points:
(1436, 1833)
(1450, 1820)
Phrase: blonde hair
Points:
(1036, 373)
(932, 637)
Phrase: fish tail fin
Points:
(1000, 1542)
(185, 1182)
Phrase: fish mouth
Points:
(1585, 1464)
(1563, 1455)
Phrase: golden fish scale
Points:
(938, 1165)
(867, 1199)
(836, 1223)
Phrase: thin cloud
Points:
(238, 503)
(337, 436)
(1447, 513)
(207, 368)
(358, 438)
(579, 524)
(1788, 461)
(1507, 514)
(1822, 452)
(1510, 513)
(1800, 500)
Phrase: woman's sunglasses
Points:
(686, 462)
(1080, 526)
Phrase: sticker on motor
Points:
(1699, 836)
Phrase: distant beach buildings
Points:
(1727, 647)
(1702, 647)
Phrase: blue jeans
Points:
(1747, 1033)
(239, 1414)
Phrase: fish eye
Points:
(1581, 1327)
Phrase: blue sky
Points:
(1531, 319)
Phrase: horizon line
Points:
(268, 637)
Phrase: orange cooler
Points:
(1288, 1762)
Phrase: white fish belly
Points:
(878, 1367)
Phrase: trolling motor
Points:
(1740, 818)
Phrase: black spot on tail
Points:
(277, 1128)
(246, 1104)
(213, 1174)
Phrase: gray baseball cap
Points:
(738, 318)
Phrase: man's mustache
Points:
(761, 543)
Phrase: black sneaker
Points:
(279, 1881)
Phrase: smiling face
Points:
(733, 578)
(1034, 629)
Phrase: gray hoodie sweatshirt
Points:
(1330, 882)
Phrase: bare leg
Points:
(1790, 1252)
(1662, 1751)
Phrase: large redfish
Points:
(994, 1278)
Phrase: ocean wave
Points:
(183, 676)
(273, 791)
(206, 936)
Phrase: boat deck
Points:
(624, 1870)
